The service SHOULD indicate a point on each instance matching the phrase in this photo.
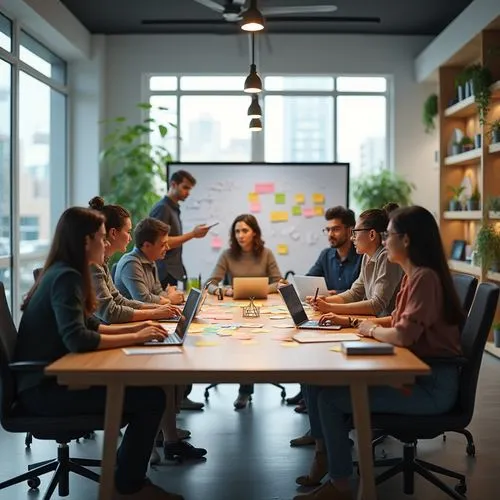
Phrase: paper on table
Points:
(243, 336)
(300, 199)
(308, 213)
(264, 188)
(279, 216)
(250, 325)
(282, 316)
(216, 242)
(132, 351)
(280, 198)
(290, 344)
(336, 348)
(255, 207)
(282, 249)
(259, 330)
(296, 210)
(205, 343)
(284, 325)
(253, 197)
(318, 198)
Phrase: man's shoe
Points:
(181, 450)
(301, 407)
(326, 491)
(183, 433)
(295, 399)
(148, 492)
(187, 404)
(318, 471)
(305, 440)
(241, 401)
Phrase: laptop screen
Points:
(187, 314)
(293, 304)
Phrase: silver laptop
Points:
(244, 288)
(307, 285)
(298, 313)
(175, 319)
(190, 308)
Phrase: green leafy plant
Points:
(494, 130)
(456, 192)
(430, 112)
(481, 80)
(466, 141)
(377, 189)
(494, 203)
(475, 196)
(496, 326)
(488, 246)
(137, 164)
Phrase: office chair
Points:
(14, 418)
(410, 428)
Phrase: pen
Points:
(316, 296)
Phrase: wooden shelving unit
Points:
(481, 165)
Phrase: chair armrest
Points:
(28, 366)
(455, 361)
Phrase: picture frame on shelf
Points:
(458, 250)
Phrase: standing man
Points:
(171, 269)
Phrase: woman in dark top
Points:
(426, 321)
(58, 320)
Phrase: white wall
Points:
(130, 57)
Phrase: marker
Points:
(316, 295)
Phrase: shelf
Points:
(464, 158)
(494, 215)
(462, 215)
(464, 267)
(493, 276)
(494, 148)
(462, 109)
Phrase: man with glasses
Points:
(339, 264)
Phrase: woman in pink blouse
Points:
(426, 320)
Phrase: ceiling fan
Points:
(234, 11)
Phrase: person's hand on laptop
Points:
(175, 296)
(333, 319)
(167, 311)
(152, 332)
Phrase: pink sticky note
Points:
(216, 242)
(264, 188)
(255, 207)
(308, 212)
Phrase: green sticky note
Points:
(280, 198)
(296, 210)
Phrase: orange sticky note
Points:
(282, 249)
(319, 211)
(318, 198)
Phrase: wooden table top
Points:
(247, 355)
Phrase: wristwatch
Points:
(371, 331)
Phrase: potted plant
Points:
(494, 204)
(480, 81)
(467, 143)
(379, 188)
(430, 112)
(455, 204)
(488, 247)
(474, 200)
(496, 334)
(495, 132)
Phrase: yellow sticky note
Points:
(279, 216)
(319, 211)
(253, 197)
(259, 330)
(282, 249)
(300, 199)
(318, 198)
(205, 343)
(289, 344)
(336, 348)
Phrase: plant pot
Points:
(456, 149)
(455, 206)
(472, 205)
(496, 337)
(478, 141)
(467, 147)
(495, 136)
(460, 92)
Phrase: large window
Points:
(306, 119)
(33, 186)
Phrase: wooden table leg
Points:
(114, 410)
(361, 414)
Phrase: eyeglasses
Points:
(385, 234)
(333, 229)
(356, 231)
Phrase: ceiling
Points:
(402, 17)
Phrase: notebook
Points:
(367, 348)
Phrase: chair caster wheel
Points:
(444, 437)
(283, 394)
(471, 450)
(34, 483)
(207, 395)
(461, 488)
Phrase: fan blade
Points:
(311, 9)
(187, 22)
(329, 19)
(217, 7)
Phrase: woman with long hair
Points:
(58, 319)
(426, 321)
(246, 256)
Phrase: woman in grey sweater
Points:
(246, 257)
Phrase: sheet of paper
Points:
(296, 210)
(253, 197)
(284, 325)
(279, 317)
(300, 199)
(279, 216)
(282, 249)
(242, 336)
(319, 211)
(255, 207)
(318, 198)
(264, 188)
(280, 198)
(259, 330)
(206, 343)
(289, 344)
(308, 212)
(133, 351)
(216, 242)
(224, 333)
(336, 348)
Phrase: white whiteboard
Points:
(222, 192)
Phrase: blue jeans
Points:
(330, 410)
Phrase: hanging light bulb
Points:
(253, 82)
(253, 20)
(255, 125)
(254, 110)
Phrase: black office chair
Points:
(14, 418)
(410, 428)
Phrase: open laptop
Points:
(179, 335)
(175, 319)
(307, 285)
(244, 288)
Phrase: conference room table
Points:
(259, 352)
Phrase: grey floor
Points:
(249, 457)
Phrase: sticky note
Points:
(280, 198)
(259, 330)
(308, 212)
(253, 197)
(279, 216)
(296, 210)
(319, 211)
(300, 199)
(318, 198)
(264, 188)
(255, 207)
(205, 343)
(282, 249)
(216, 242)
(336, 348)
(289, 344)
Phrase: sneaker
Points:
(241, 401)
(180, 450)
(295, 399)
(187, 404)
(148, 492)
(326, 491)
(304, 440)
